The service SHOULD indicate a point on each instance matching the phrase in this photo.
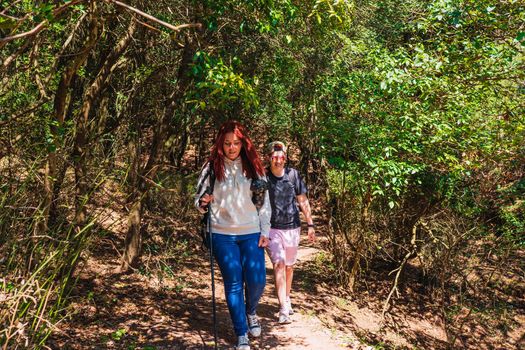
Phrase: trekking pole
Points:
(214, 308)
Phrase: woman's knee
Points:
(234, 287)
(279, 265)
(255, 288)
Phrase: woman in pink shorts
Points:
(287, 194)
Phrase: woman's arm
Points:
(304, 204)
(265, 214)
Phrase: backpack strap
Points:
(211, 174)
(205, 223)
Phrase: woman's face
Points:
(278, 160)
(232, 146)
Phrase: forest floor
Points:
(142, 311)
(166, 304)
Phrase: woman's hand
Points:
(205, 199)
(263, 241)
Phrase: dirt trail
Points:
(154, 312)
(166, 304)
(306, 330)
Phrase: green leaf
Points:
(521, 37)
(117, 335)
(7, 23)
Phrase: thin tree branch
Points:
(31, 32)
(149, 26)
(408, 256)
(9, 6)
(40, 26)
(64, 47)
(15, 54)
(156, 20)
(15, 117)
(33, 60)
(10, 17)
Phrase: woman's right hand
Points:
(205, 199)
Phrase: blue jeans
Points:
(241, 262)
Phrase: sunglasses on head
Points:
(277, 148)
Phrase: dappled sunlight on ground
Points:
(166, 304)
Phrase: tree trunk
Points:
(132, 249)
(360, 242)
(91, 98)
(60, 101)
(133, 241)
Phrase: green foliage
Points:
(26, 319)
(420, 117)
(339, 10)
(118, 334)
(512, 212)
(408, 116)
(218, 85)
(425, 106)
(7, 23)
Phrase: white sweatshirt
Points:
(232, 210)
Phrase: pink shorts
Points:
(283, 245)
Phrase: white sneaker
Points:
(243, 343)
(284, 317)
(254, 327)
(289, 306)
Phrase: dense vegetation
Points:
(406, 118)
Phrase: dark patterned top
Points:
(283, 192)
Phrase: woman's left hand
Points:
(263, 241)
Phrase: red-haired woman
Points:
(239, 229)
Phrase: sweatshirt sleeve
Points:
(265, 214)
(202, 183)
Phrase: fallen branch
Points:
(408, 256)
(149, 26)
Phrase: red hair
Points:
(251, 163)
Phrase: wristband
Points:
(310, 225)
